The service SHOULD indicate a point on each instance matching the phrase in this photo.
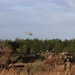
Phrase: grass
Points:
(36, 68)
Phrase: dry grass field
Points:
(36, 68)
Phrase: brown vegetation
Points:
(36, 68)
(48, 67)
(6, 54)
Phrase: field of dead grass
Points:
(36, 68)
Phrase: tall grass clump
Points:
(35, 68)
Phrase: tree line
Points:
(35, 45)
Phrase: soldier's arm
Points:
(70, 64)
(64, 66)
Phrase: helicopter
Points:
(29, 33)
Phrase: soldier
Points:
(67, 66)
(68, 56)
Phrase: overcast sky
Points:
(46, 19)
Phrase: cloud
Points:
(71, 3)
(42, 17)
(38, 12)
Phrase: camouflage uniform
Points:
(67, 67)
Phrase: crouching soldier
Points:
(67, 67)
